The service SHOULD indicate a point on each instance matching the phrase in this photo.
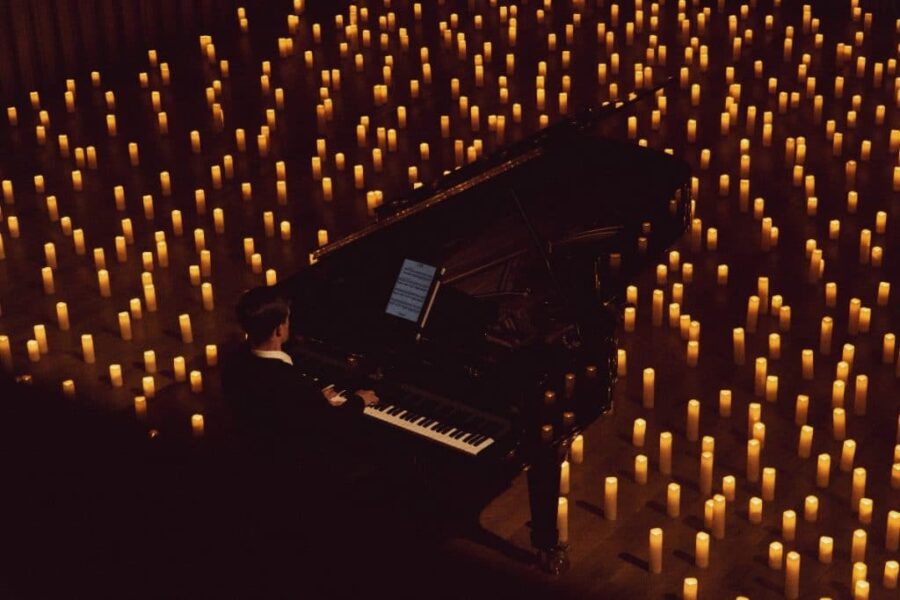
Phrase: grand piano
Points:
(482, 308)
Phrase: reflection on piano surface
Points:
(529, 249)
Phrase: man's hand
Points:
(329, 392)
(368, 396)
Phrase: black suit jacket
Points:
(281, 405)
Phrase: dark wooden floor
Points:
(97, 501)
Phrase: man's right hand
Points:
(368, 397)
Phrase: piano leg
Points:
(543, 497)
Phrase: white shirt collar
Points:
(274, 354)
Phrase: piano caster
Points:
(555, 560)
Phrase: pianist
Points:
(271, 395)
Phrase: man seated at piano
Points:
(273, 397)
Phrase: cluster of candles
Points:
(473, 126)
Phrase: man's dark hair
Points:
(259, 311)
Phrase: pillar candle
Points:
(801, 409)
(825, 335)
(701, 550)
(859, 394)
(811, 509)
(115, 375)
(774, 346)
(140, 407)
(789, 525)
(838, 387)
(823, 470)
(826, 550)
(895, 476)
(804, 447)
(771, 388)
(706, 473)
(656, 550)
(725, 403)
(729, 486)
(563, 477)
(206, 290)
(610, 498)
(693, 353)
(150, 297)
(693, 420)
(197, 426)
(839, 423)
(150, 361)
(759, 434)
(768, 484)
(753, 460)
(807, 358)
(892, 535)
(577, 449)
(657, 308)
(184, 324)
(87, 348)
(866, 507)
(753, 306)
(178, 366)
(638, 433)
(148, 385)
(640, 469)
(665, 453)
(887, 348)
(858, 546)
(848, 453)
(62, 316)
(754, 510)
(754, 414)
(673, 500)
(212, 355)
(648, 389)
(738, 345)
(776, 555)
(125, 326)
(719, 517)
(630, 313)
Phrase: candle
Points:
(754, 510)
(87, 348)
(706, 473)
(610, 496)
(184, 324)
(759, 379)
(839, 423)
(859, 394)
(738, 345)
(629, 318)
(197, 425)
(725, 403)
(562, 520)
(805, 445)
(125, 326)
(656, 549)
(768, 484)
(860, 572)
(776, 555)
(754, 414)
(640, 469)
(807, 359)
(178, 367)
(825, 335)
(771, 388)
(103, 281)
(212, 355)
(718, 517)
(638, 432)
(866, 507)
(729, 485)
(792, 576)
(811, 509)
(115, 375)
(838, 388)
(648, 388)
(858, 546)
(150, 361)
(693, 353)
(206, 290)
(892, 536)
(759, 433)
(563, 473)
(891, 572)
(62, 316)
(657, 308)
(693, 420)
(690, 588)
(577, 449)
(887, 348)
(140, 407)
(753, 306)
(673, 500)
(848, 452)
(789, 525)
(823, 470)
(148, 386)
(665, 453)
(753, 449)
(701, 550)
(34, 352)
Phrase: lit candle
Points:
(693, 420)
(859, 395)
(811, 509)
(610, 496)
(657, 316)
(887, 348)
(858, 546)
(771, 388)
(184, 324)
(838, 388)
(805, 446)
(754, 511)
(892, 535)
(212, 355)
(776, 555)
(207, 293)
(768, 484)
(792, 576)
(178, 366)
(665, 453)
(656, 550)
(638, 432)
(629, 318)
(125, 326)
(719, 517)
(140, 407)
(62, 316)
(825, 335)
(725, 403)
(866, 508)
(823, 470)
(640, 469)
(753, 460)
(196, 379)
(150, 361)
(848, 453)
(562, 520)
(891, 572)
(148, 386)
(563, 474)
(789, 525)
(648, 388)
(729, 485)
(115, 375)
(690, 588)
(103, 281)
(673, 500)
(808, 364)
(706, 473)
(693, 353)
(839, 423)
(739, 346)
(197, 425)
(87, 348)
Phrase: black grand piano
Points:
(482, 308)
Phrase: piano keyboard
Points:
(459, 438)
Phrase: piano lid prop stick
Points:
(610, 498)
